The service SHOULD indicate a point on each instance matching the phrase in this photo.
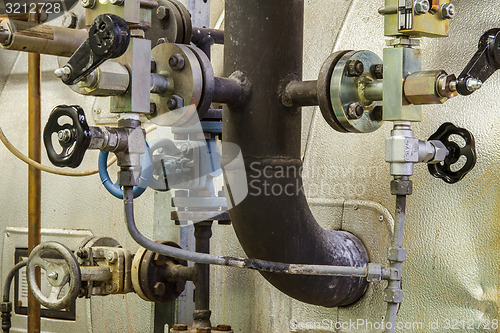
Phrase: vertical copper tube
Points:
(34, 179)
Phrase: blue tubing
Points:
(115, 189)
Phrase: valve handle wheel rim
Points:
(58, 275)
(144, 180)
(443, 170)
(74, 139)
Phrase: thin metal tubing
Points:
(255, 264)
(34, 177)
(8, 280)
(397, 243)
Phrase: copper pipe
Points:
(34, 179)
(20, 17)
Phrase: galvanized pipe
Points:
(264, 40)
(34, 177)
(394, 285)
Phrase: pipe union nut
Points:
(441, 151)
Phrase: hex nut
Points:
(355, 68)
(159, 289)
(87, 3)
(397, 254)
(116, 2)
(401, 187)
(422, 7)
(162, 13)
(440, 151)
(177, 62)
(6, 307)
(175, 102)
(223, 328)
(70, 20)
(447, 11)
(111, 257)
(204, 330)
(180, 327)
(420, 88)
(378, 71)
(355, 111)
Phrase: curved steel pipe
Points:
(264, 40)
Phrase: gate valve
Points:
(109, 37)
(446, 170)
(73, 138)
(484, 63)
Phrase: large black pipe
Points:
(264, 40)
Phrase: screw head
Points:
(177, 62)
(116, 2)
(52, 275)
(355, 111)
(422, 7)
(448, 11)
(355, 68)
(63, 73)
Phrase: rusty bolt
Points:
(204, 330)
(81, 254)
(162, 13)
(159, 259)
(355, 68)
(224, 328)
(355, 111)
(159, 289)
(180, 327)
(378, 71)
(177, 61)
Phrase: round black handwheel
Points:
(444, 170)
(73, 139)
(109, 36)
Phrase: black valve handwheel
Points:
(444, 170)
(74, 139)
(109, 36)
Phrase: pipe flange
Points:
(149, 276)
(341, 92)
(208, 81)
(349, 79)
(170, 22)
(324, 79)
(177, 106)
(186, 21)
